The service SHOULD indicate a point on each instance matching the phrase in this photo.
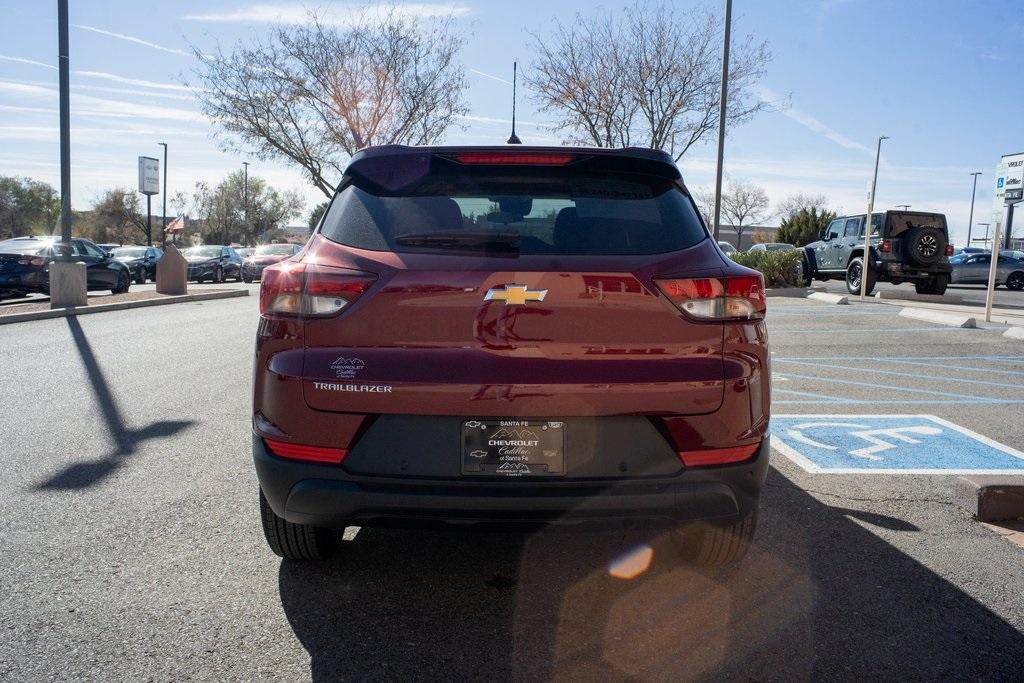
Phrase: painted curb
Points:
(829, 298)
(938, 317)
(100, 308)
(1014, 333)
(991, 498)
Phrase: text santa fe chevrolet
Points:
(511, 335)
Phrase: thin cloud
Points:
(491, 76)
(133, 39)
(22, 60)
(87, 105)
(133, 81)
(335, 16)
(813, 124)
(116, 91)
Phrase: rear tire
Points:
(124, 281)
(299, 542)
(933, 285)
(854, 270)
(710, 545)
(1015, 280)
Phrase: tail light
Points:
(32, 261)
(718, 456)
(294, 451)
(723, 298)
(309, 290)
(521, 158)
(949, 250)
(885, 247)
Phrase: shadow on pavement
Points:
(818, 597)
(126, 440)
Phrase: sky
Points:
(937, 77)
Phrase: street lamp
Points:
(903, 206)
(970, 221)
(722, 100)
(245, 196)
(866, 257)
(164, 239)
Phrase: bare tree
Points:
(744, 204)
(795, 203)
(647, 76)
(314, 94)
(704, 198)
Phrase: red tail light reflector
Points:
(32, 261)
(717, 298)
(309, 290)
(294, 451)
(885, 247)
(521, 158)
(718, 456)
(949, 250)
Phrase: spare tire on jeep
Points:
(924, 245)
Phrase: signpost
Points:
(149, 185)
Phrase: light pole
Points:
(866, 258)
(63, 63)
(903, 206)
(163, 240)
(970, 221)
(722, 102)
(245, 196)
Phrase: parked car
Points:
(215, 263)
(906, 246)
(969, 250)
(25, 266)
(108, 247)
(1015, 254)
(974, 269)
(244, 252)
(268, 254)
(772, 246)
(727, 248)
(572, 355)
(141, 260)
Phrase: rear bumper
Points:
(253, 270)
(328, 496)
(907, 271)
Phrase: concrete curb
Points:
(991, 498)
(938, 317)
(100, 308)
(795, 292)
(914, 296)
(829, 298)
(1014, 333)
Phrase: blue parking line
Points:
(832, 330)
(893, 373)
(886, 387)
(895, 402)
(949, 367)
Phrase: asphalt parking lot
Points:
(133, 548)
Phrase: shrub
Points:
(780, 268)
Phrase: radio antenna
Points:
(514, 139)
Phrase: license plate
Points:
(513, 448)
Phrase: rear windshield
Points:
(24, 246)
(129, 252)
(556, 214)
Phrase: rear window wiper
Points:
(478, 241)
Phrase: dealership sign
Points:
(149, 175)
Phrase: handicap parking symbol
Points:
(892, 444)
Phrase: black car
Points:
(141, 260)
(906, 246)
(25, 266)
(213, 262)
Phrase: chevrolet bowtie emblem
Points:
(515, 295)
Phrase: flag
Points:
(177, 225)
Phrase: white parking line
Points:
(984, 383)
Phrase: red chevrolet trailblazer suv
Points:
(511, 335)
